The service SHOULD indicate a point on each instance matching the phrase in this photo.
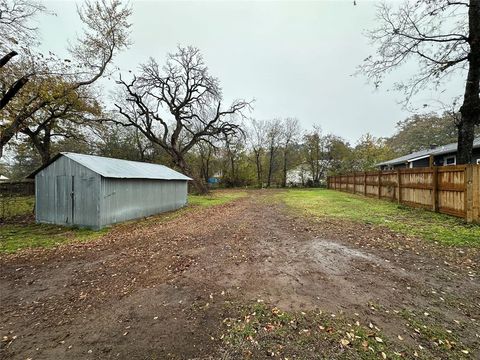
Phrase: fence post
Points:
(435, 188)
(469, 193)
(379, 184)
(365, 183)
(355, 182)
(399, 187)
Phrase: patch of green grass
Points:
(16, 206)
(17, 237)
(402, 219)
(218, 197)
(258, 331)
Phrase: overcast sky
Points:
(296, 59)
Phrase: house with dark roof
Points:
(436, 155)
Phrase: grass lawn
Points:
(15, 237)
(218, 197)
(420, 223)
(16, 206)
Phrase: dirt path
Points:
(162, 290)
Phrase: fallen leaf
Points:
(344, 342)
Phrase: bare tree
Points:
(16, 25)
(106, 32)
(274, 137)
(234, 148)
(257, 137)
(316, 153)
(206, 153)
(291, 132)
(179, 106)
(443, 36)
(16, 32)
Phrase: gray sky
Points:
(295, 58)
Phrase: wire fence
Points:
(17, 200)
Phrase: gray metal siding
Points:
(99, 201)
(125, 199)
(54, 186)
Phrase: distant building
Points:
(3, 178)
(93, 191)
(299, 176)
(441, 156)
(215, 179)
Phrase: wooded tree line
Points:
(261, 155)
(174, 112)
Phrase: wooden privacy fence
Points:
(453, 190)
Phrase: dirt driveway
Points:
(162, 290)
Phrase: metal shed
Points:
(94, 191)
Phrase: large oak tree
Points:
(178, 106)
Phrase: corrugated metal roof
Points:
(440, 150)
(122, 169)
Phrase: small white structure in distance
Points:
(299, 176)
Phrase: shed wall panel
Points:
(54, 186)
(125, 199)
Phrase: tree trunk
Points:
(470, 109)
(42, 145)
(259, 168)
(17, 85)
(198, 184)
(46, 151)
(284, 180)
(270, 169)
(12, 91)
(5, 59)
(232, 165)
(207, 169)
(466, 135)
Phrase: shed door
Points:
(64, 200)
(86, 201)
